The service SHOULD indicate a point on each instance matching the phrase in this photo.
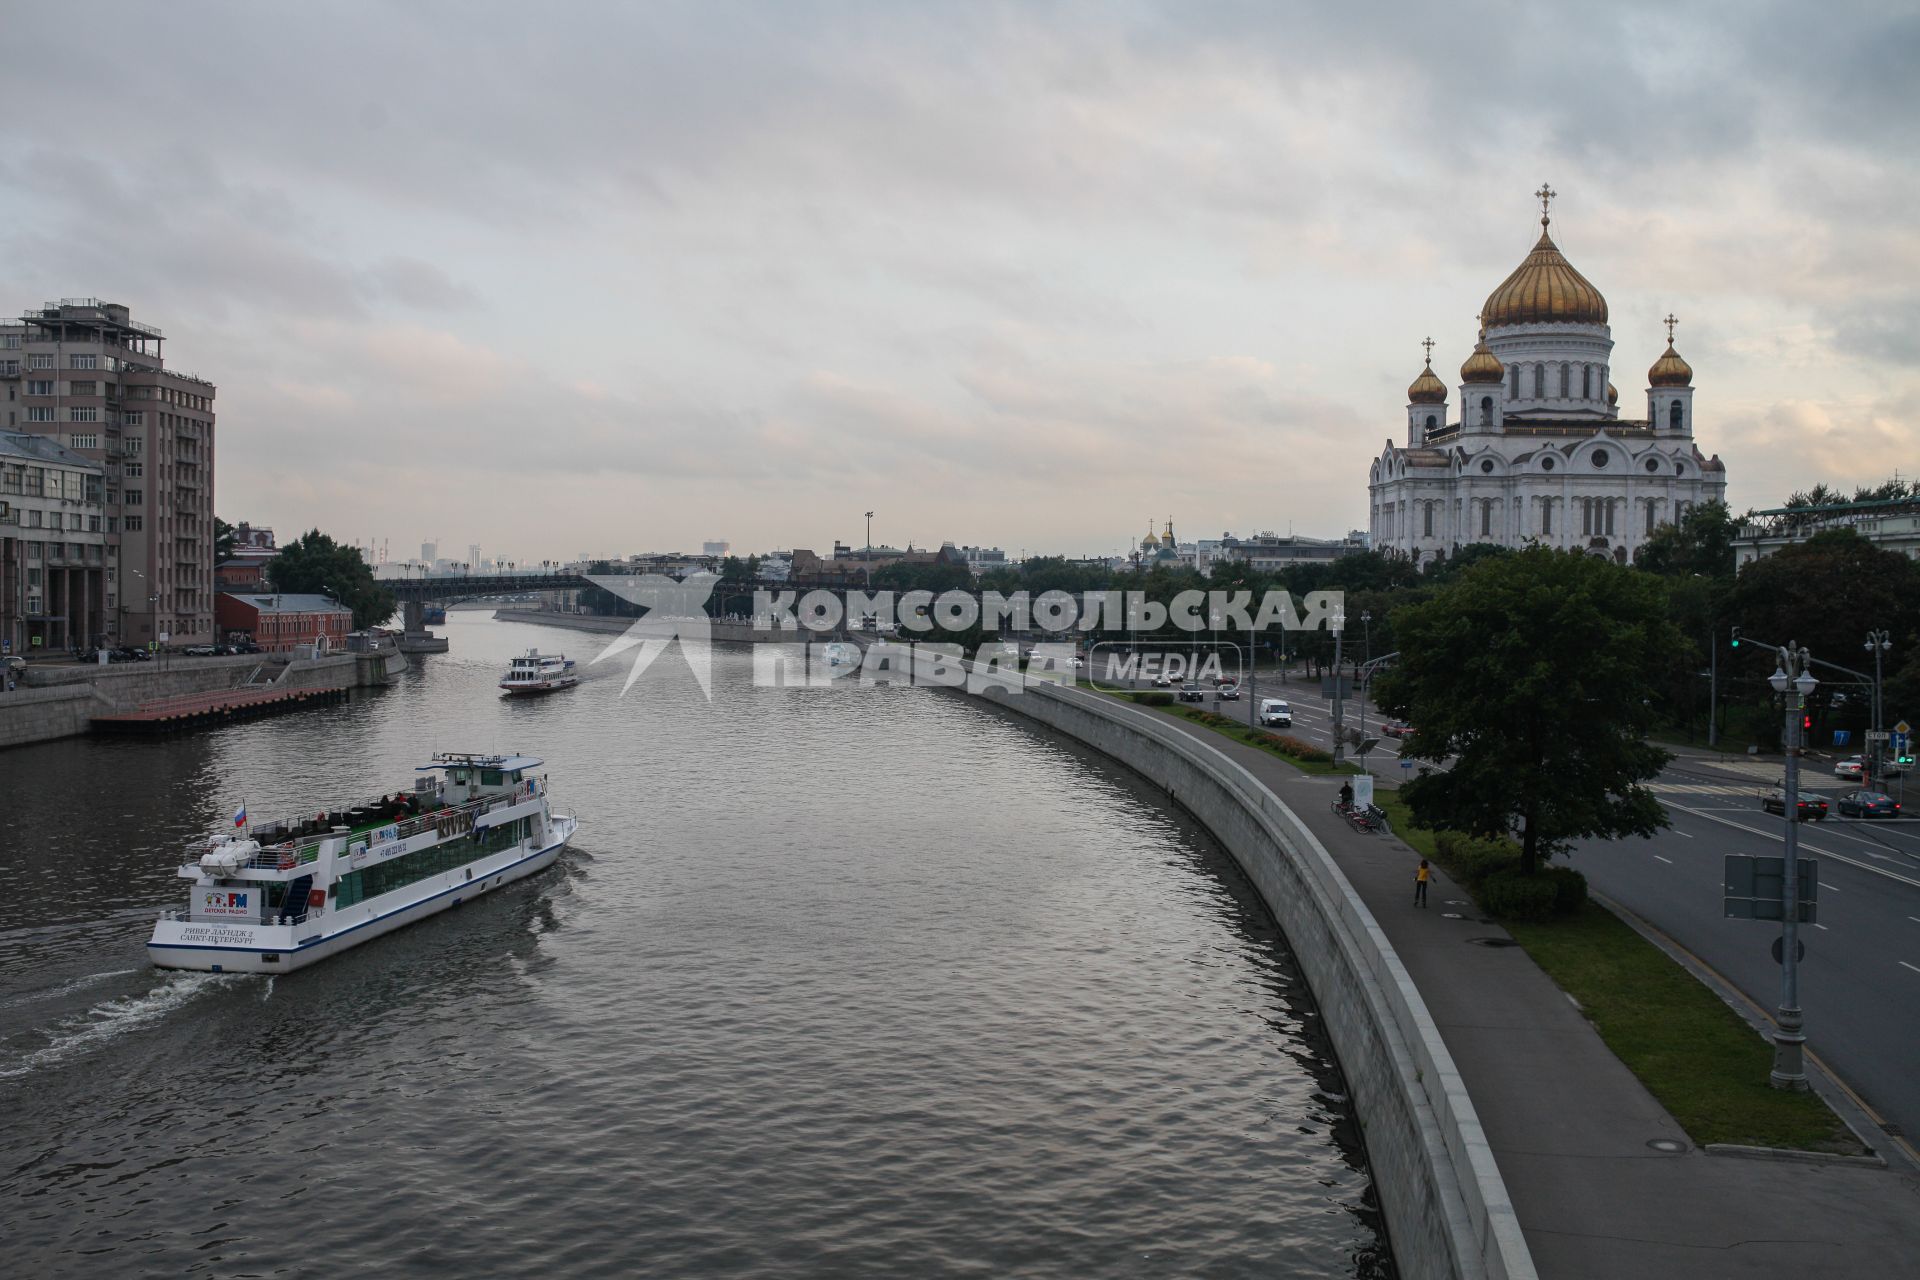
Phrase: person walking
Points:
(1420, 879)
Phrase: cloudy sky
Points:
(610, 277)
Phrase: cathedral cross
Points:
(1670, 322)
(1428, 344)
(1544, 195)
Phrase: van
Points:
(1275, 714)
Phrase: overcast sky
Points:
(614, 277)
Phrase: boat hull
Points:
(549, 686)
(243, 949)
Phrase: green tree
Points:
(1465, 558)
(222, 540)
(316, 563)
(1825, 593)
(1701, 544)
(1532, 674)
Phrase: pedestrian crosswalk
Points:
(1700, 789)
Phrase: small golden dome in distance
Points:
(1670, 370)
(1482, 365)
(1613, 394)
(1427, 388)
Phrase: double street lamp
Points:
(1878, 642)
(1793, 679)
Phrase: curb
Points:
(1781, 1153)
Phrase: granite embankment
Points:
(60, 701)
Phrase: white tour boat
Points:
(538, 672)
(279, 896)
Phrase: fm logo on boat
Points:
(236, 901)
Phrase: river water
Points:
(832, 982)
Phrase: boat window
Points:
(449, 855)
(490, 778)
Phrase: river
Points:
(833, 982)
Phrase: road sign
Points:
(1876, 735)
(1903, 728)
(1799, 951)
(1754, 888)
(1841, 737)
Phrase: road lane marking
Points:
(1905, 965)
(1822, 928)
(1824, 885)
(1827, 853)
(1669, 862)
(1677, 831)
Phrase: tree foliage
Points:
(1701, 544)
(1532, 674)
(316, 563)
(222, 540)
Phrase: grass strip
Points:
(1693, 1053)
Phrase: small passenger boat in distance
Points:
(277, 896)
(537, 672)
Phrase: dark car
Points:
(1229, 692)
(1810, 808)
(1191, 692)
(1868, 804)
(1397, 729)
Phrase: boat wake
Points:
(54, 993)
(111, 1019)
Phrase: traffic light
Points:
(1806, 723)
(1736, 637)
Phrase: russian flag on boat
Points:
(240, 815)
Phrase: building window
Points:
(33, 522)
(133, 497)
(83, 442)
(1565, 376)
(83, 388)
(135, 524)
(10, 341)
(1653, 465)
(39, 386)
(1673, 415)
(40, 413)
(133, 418)
(1599, 457)
(1546, 464)
(1586, 385)
(136, 444)
(1486, 469)
(1426, 510)
(1650, 534)
(83, 415)
(1486, 519)
(1486, 411)
(1546, 517)
(1514, 375)
(1609, 503)
(39, 362)
(1431, 423)
(83, 362)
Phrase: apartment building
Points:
(82, 373)
(53, 586)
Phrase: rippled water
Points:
(832, 983)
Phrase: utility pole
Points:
(1713, 690)
(1794, 681)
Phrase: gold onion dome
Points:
(1670, 370)
(1482, 365)
(1613, 394)
(1545, 289)
(1427, 388)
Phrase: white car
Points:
(1275, 714)
(1852, 767)
(1163, 681)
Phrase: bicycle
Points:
(1369, 819)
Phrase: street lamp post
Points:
(1366, 623)
(1878, 642)
(1339, 703)
(1793, 680)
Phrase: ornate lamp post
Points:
(1793, 679)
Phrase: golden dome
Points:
(1670, 370)
(1427, 388)
(1613, 394)
(1545, 289)
(1482, 365)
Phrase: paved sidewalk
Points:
(1569, 1124)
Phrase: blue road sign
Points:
(1841, 737)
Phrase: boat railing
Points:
(287, 854)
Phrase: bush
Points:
(1213, 719)
(1298, 749)
(1153, 698)
(1569, 889)
(1512, 895)
(1472, 861)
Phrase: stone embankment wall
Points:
(735, 631)
(60, 701)
(1447, 1208)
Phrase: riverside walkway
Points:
(1570, 1126)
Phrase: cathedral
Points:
(1539, 453)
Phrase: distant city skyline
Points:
(646, 278)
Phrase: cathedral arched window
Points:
(1674, 416)
(1546, 517)
(1566, 373)
(1432, 422)
(1515, 374)
(1426, 519)
(1486, 519)
(1586, 382)
(1486, 411)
